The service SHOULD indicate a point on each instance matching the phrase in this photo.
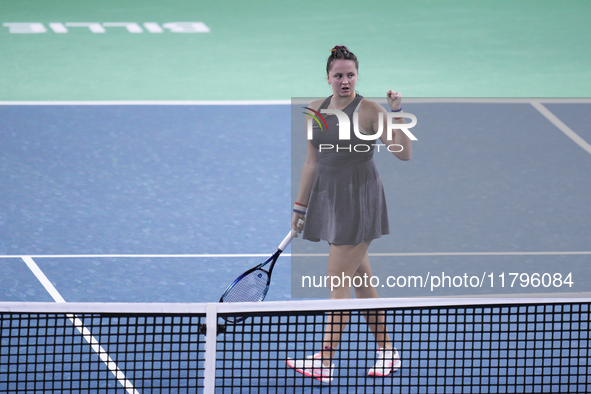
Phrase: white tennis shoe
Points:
(388, 361)
(312, 366)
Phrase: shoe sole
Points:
(394, 368)
(308, 374)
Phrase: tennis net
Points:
(445, 345)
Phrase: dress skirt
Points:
(347, 203)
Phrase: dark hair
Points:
(340, 52)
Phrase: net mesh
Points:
(102, 353)
(469, 349)
(502, 348)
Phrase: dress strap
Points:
(356, 103)
(325, 103)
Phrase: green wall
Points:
(275, 50)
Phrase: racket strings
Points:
(251, 288)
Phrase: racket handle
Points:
(289, 237)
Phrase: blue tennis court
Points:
(167, 203)
(152, 204)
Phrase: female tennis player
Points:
(342, 201)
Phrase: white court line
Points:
(435, 254)
(88, 337)
(417, 100)
(143, 102)
(57, 297)
(111, 256)
(561, 126)
(242, 255)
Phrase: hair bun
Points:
(340, 52)
(341, 48)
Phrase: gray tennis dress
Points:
(347, 204)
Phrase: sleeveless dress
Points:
(347, 203)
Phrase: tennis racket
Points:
(253, 285)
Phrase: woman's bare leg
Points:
(343, 261)
(375, 319)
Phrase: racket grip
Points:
(289, 237)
